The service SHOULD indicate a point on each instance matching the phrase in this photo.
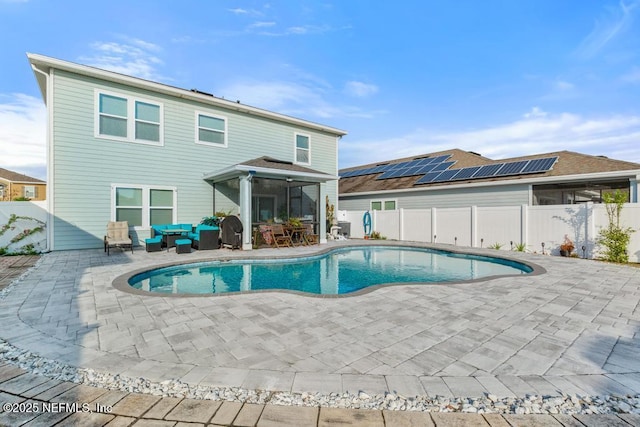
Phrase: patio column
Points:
(245, 211)
(322, 217)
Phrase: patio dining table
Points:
(297, 234)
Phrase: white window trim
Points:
(382, 202)
(30, 187)
(197, 127)
(295, 148)
(131, 118)
(146, 202)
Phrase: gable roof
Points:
(18, 177)
(569, 164)
(43, 64)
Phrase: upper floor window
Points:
(303, 149)
(128, 119)
(211, 130)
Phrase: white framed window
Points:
(29, 191)
(128, 119)
(143, 205)
(386, 205)
(2, 191)
(211, 129)
(303, 149)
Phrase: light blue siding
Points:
(85, 167)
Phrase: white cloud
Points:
(305, 100)
(22, 134)
(297, 30)
(135, 57)
(241, 11)
(535, 112)
(537, 132)
(615, 22)
(262, 24)
(563, 86)
(360, 89)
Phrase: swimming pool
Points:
(339, 271)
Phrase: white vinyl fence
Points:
(18, 220)
(506, 225)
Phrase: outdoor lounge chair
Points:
(280, 237)
(117, 235)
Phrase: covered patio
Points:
(266, 190)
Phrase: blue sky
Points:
(499, 78)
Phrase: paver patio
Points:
(574, 329)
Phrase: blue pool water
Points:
(339, 271)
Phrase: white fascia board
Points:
(235, 170)
(543, 180)
(48, 62)
(286, 173)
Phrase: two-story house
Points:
(14, 185)
(124, 148)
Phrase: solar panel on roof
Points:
(394, 173)
(428, 177)
(512, 168)
(540, 165)
(488, 170)
(446, 175)
(423, 161)
(442, 166)
(414, 170)
(467, 172)
(426, 168)
(440, 159)
(385, 175)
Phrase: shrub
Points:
(615, 238)
(521, 247)
(377, 236)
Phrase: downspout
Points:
(49, 154)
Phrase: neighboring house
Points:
(16, 185)
(124, 148)
(456, 178)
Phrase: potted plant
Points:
(294, 222)
(211, 220)
(567, 246)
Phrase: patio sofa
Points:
(204, 237)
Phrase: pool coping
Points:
(121, 283)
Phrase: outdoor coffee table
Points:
(170, 235)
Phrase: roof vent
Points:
(201, 92)
(473, 152)
(602, 157)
